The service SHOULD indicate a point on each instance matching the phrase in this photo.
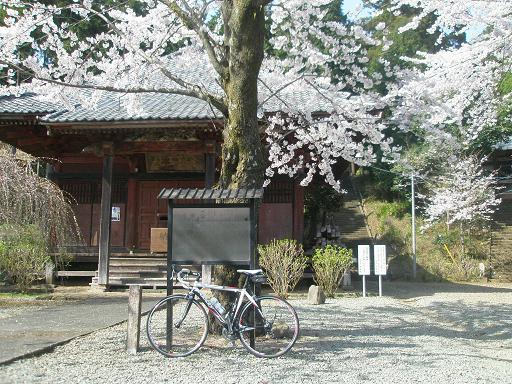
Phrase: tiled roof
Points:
(28, 103)
(202, 194)
(111, 107)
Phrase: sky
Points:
(351, 6)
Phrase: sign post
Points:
(211, 232)
(379, 259)
(363, 263)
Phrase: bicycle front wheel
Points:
(177, 326)
(272, 324)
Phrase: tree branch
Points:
(197, 93)
(196, 25)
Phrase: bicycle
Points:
(267, 326)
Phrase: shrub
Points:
(23, 254)
(284, 263)
(330, 263)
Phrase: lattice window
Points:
(80, 191)
(279, 192)
(89, 192)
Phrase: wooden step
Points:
(137, 262)
(76, 273)
(142, 268)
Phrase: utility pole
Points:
(413, 212)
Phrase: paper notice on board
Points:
(363, 259)
(379, 259)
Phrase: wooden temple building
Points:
(114, 165)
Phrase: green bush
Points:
(23, 254)
(442, 253)
(330, 263)
(396, 209)
(284, 263)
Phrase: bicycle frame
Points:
(244, 317)
(242, 293)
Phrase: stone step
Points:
(162, 283)
(139, 268)
(135, 274)
(155, 262)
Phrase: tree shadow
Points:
(413, 289)
(402, 325)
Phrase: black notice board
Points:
(211, 235)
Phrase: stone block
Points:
(316, 295)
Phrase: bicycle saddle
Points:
(250, 272)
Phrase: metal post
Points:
(380, 285)
(364, 285)
(413, 211)
(209, 180)
(170, 223)
(254, 262)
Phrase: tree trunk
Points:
(242, 157)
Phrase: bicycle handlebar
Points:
(183, 273)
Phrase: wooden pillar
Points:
(131, 214)
(298, 212)
(106, 213)
(209, 180)
(50, 171)
(352, 169)
(209, 177)
(134, 310)
(131, 206)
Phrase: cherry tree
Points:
(313, 90)
(464, 194)
(458, 86)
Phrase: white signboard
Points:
(379, 259)
(363, 259)
(116, 213)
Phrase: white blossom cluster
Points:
(460, 85)
(464, 194)
(316, 95)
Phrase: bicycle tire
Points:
(277, 326)
(194, 326)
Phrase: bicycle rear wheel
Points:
(188, 326)
(274, 323)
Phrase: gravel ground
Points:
(462, 334)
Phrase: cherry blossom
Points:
(458, 86)
(316, 97)
(464, 194)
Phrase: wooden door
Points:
(275, 222)
(152, 212)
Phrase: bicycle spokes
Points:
(273, 325)
(180, 331)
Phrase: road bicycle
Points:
(267, 326)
